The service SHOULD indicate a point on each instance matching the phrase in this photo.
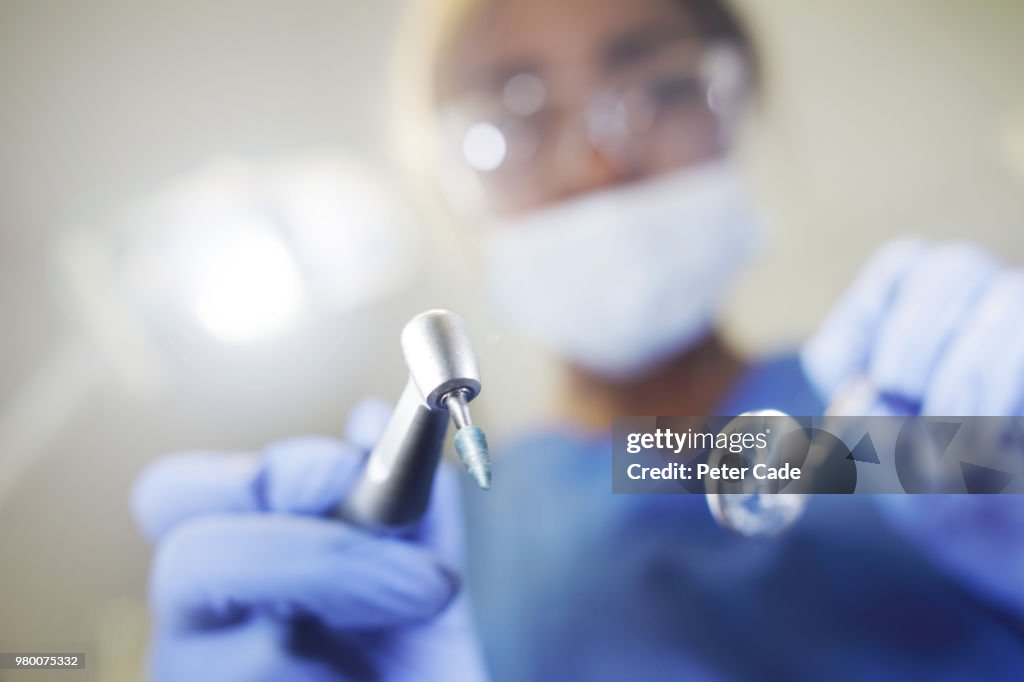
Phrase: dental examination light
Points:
(235, 254)
(246, 286)
(246, 253)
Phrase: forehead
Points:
(562, 38)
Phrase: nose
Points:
(585, 167)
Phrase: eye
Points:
(676, 91)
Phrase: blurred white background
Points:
(125, 125)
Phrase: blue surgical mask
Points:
(620, 280)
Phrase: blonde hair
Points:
(426, 30)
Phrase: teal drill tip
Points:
(471, 444)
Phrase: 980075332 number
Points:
(41, 660)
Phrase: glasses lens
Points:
(652, 115)
(484, 147)
(524, 94)
(490, 140)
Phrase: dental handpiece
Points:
(393, 489)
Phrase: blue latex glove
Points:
(252, 582)
(937, 330)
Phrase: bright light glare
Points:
(484, 146)
(247, 288)
(242, 250)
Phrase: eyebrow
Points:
(621, 51)
(639, 44)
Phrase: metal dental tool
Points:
(756, 514)
(393, 489)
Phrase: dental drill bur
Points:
(393, 489)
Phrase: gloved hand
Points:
(251, 581)
(937, 330)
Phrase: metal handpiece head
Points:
(440, 356)
(443, 366)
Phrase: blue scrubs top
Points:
(572, 583)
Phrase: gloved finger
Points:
(177, 487)
(310, 475)
(366, 422)
(933, 301)
(217, 569)
(258, 651)
(982, 372)
(442, 527)
(300, 475)
(839, 353)
(860, 399)
(307, 475)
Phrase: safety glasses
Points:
(654, 116)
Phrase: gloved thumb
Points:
(839, 354)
